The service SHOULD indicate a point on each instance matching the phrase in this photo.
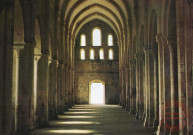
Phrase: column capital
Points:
(30, 44)
(37, 57)
(164, 41)
(153, 52)
(17, 48)
(54, 57)
(159, 39)
(45, 51)
(171, 42)
(49, 61)
(145, 48)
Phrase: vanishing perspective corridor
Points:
(58, 58)
(95, 120)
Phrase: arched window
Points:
(91, 54)
(110, 40)
(83, 40)
(96, 37)
(101, 54)
(82, 54)
(111, 54)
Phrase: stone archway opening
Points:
(97, 92)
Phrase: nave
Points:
(95, 120)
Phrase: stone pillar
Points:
(27, 101)
(69, 88)
(151, 89)
(147, 93)
(154, 52)
(166, 85)
(174, 82)
(65, 86)
(64, 99)
(53, 90)
(184, 21)
(123, 88)
(42, 93)
(137, 86)
(35, 83)
(72, 82)
(72, 87)
(161, 87)
(133, 86)
(60, 84)
(127, 79)
(141, 86)
(15, 84)
(120, 83)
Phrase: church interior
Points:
(96, 67)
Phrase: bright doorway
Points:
(97, 92)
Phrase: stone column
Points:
(154, 51)
(133, 86)
(127, 79)
(35, 83)
(27, 101)
(120, 83)
(174, 82)
(147, 93)
(72, 82)
(161, 88)
(142, 86)
(60, 84)
(123, 88)
(64, 99)
(15, 84)
(137, 86)
(67, 82)
(42, 93)
(130, 84)
(72, 87)
(151, 89)
(53, 90)
(166, 85)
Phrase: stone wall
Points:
(88, 70)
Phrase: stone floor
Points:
(95, 120)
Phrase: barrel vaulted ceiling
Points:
(76, 13)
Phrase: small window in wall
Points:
(111, 54)
(83, 40)
(91, 54)
(82, 54)
(101, 54)
(96, 37)
(110, 40)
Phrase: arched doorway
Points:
(96, 92)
